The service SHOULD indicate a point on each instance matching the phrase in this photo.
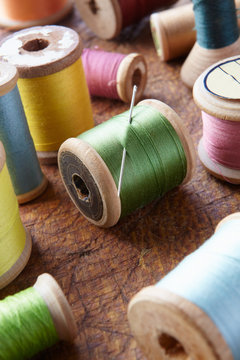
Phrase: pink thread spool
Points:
(113, 75)
(217, 93)
(106, 18)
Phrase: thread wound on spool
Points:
(52, 84)
(106, 18)
(182, 320)
(26, 175)
(154, 163)
(17, 15)
(35, 319)
(113, 75)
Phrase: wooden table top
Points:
(100, 270)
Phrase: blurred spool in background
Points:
(15, 14)
(174, 32)
(193, 312)
(160, 156)
(113, 75)
(217, 37)
(35, 319)
(217, 93)
(26, 175)
(51, 83)
(15, 240)
(106, 18)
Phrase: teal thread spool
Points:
(35, 319)
(193, 312)
(160, 156)
(217, 37)
(26, 175)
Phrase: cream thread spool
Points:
(173, 31)
(24, 249)
(48, 60)
(168, 326)
(8, 21)
(220, 99)
(86, 175)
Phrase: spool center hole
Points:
(137, 77)
(172, 347)
(81, 188)
(35, 45)
(93, 6)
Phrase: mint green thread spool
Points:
(160, 156)
(35, 319)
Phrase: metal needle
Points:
(124, 149)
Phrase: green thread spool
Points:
(15, 240)
(35, 319)
(160, 156)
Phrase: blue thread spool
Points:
(193, 312)
(217, 37)
(26, 175)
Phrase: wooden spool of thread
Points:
(217, 37)
(51, 83)
(35, 319)
(173, 31)
(15, 240)
(26, 175)
(217, 93)
(106, 18)
(15, 14)
(113, 75)
(193, 312)
(90, 164)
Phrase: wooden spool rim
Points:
(168, 327)
(160, 37)
(181, 130)
(218, 170)
(60, 47)
(234, 216)
(8, 78)
(132, 71)
(199, 59)
(47, 157)
(106, 23)
(58, 306)
(216, 106)
(19, 265)
(52, 19)
(102, 178)
(31, 195)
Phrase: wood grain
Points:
(100, 270)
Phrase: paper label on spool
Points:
(223, 80)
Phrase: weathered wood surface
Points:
(100, 270)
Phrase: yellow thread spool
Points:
(15, 241)
(52, 85)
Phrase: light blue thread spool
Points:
(201, 294)
(26, 175)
